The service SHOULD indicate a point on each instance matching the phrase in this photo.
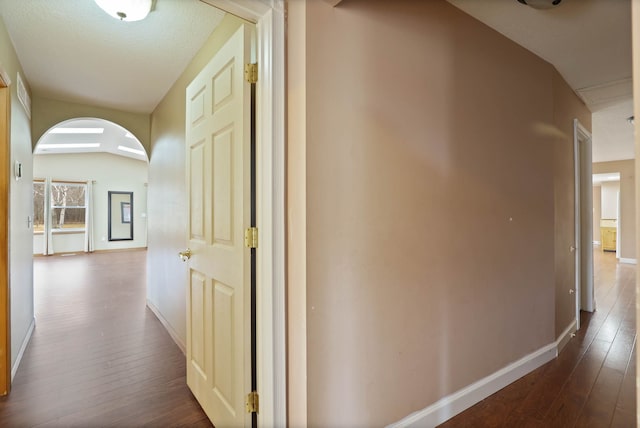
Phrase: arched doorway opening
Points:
(90, 188)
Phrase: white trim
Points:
(272, 375)
(251, 10)
(271, 220)
(628, 261)
(459, 401)
(580, 132)
(25, 343)
(167, 326)
(597, 243)
(576, 222)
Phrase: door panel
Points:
(218, 171)
(196, 155)
(222, 188)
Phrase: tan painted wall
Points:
(566, 107)
(635, 26)
(430, 204)
(597, 212)
(296, 217)
(20, 235)
(48, 112)
(167, 221)
(626, 225)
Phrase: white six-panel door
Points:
(218, 182)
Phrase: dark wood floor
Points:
(591, 383)
(98, 357)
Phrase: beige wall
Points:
(597, 212)
(167, 233)
(626, 222)
(566, 107)
(430, 204)
(20, 234)
(48, 112)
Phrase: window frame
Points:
(57, 230)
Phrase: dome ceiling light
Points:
(126, 10)
(540, 4)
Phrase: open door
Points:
(218, 160)
(584, 292)
(5, 167)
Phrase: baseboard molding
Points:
(459, 401)
(167, 326)
(25, 343)
(628, 261)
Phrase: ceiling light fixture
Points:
(130, 150)
(69, 146)
(630, 119)
(76, 131)
(540, 4)
(126, 10)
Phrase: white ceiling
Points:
(589, 43)
(71, 50)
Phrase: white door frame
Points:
(582, 144)
(268, 15)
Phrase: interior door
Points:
(218, 174)
(5, 316)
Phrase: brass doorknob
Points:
(185, 255)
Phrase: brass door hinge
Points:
(251, 237)
(251, 72)
(253, 402)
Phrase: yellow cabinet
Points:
(608, 237)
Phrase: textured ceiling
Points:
(589, 43)
(71, 50)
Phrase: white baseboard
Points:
(628, 261)
(23, 347)
(459, 401)
(168, 327)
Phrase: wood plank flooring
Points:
(592, 382)
(98, 356)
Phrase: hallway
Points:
(98, 357)
(592, 382)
